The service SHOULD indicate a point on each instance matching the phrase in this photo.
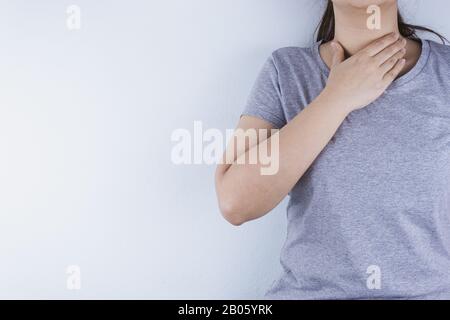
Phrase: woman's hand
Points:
(244, 194)
(361, 79)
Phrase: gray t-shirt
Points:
(371, 217)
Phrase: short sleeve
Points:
(265, 101)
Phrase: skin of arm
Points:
(243, 193)
(253, 194)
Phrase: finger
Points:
(378, 45)
(390, 51)
(392, 61)
(394, 72)
(338, 53)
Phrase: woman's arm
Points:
(245, 194)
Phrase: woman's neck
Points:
(352, 30)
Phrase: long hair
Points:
(326, 28)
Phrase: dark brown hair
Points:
(325, 30)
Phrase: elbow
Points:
(232, 205)
(231, 212)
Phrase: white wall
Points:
(86, 117)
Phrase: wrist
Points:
(332, 100)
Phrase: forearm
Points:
(245, 194)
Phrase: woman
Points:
(364, 153)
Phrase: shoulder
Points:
(293, 57)
(441, 51)
(289, 53)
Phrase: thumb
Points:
(338, 53)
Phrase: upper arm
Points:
(263, 110)
(265, 100)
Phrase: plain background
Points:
(86, 117)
